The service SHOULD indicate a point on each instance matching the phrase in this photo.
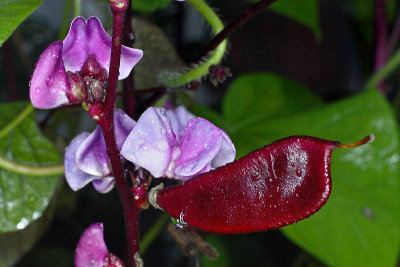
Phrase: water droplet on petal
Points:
(298, 173)
(37, 91)
(54, 56)
(49, 80)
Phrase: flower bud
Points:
(78, 88)
(97, 91)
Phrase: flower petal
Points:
(104, 185)
(226, 154)
(92, 155)
(150, 143)
(91, 250)
(123, 126)
(179, 118)
(203, 147)
(74, 50)
(74, 176)
(99, 45)
(49, 84)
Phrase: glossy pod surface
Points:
(274, 186)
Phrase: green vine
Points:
(177, 80)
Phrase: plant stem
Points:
(9, 67)
(235, 24)
(394, 37)
(27, 170)
(171, 80)
(153, 232)
(384, 71)
(77, 8)
(65, 19)
(17, 120)
(106, 122)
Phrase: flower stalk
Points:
(105, 120)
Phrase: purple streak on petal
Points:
(179, 118)
(99, 45)
(104, 185)
(150, 143)
(91, 250)
(199, 145)
(75, 50)
(123, 126)
(92, 156)
(49, 84)
(74, 176)
(226, 154)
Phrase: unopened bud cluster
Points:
(89, 84)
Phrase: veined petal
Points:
(91, 250)
(99, 45)
(179, 118)
(49, 84)
(92, 157)
(227, 152)
(74, 176)
(75, 49)
(150, 143)
(199, 145)
(123, 126)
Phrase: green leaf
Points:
(359, 224)
(24, 199)
(149, 5)
(13, 13)
(259, 96)
(302, 11)
(220, 245)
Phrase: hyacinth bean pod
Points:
(279, 184)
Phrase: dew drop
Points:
(163, 131)
(131, 36)
(298, 173)
(49, 80)
(54, 56)
(37, 90)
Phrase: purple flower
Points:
(86, 159)
(67, 69)
(91, 250)
(177, 145)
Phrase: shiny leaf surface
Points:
(23, 199)
(13, 13)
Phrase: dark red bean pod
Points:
(279, 184)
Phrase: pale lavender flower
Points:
(58, 78)
(92, 251)
(175, 144)
(86, 159)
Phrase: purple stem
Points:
(106, 119)
(9, 66)
(394, 37)
(235, 24)
(380, 38)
